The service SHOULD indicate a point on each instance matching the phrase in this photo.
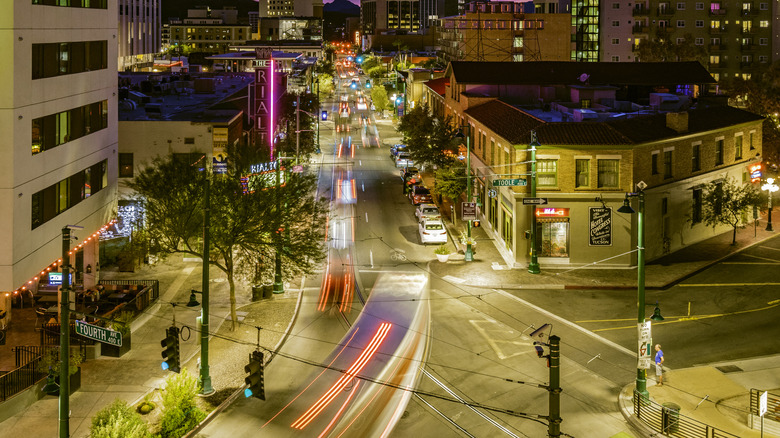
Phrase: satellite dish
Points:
(584, 77)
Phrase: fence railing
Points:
(667, 420)
(28, 371)
(772, 405)
(50, 335)
(142, 300)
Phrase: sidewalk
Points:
(139, 372)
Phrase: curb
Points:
(626, 405)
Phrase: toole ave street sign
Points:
(510, 182)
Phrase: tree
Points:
(430, 141)
(118, 420)
(325, 84)
(663, 49)
(244, 226)
(180, 413)
(288, 120)
(451, 182)
(727, 202)
(379, 98)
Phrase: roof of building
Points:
(565, 72)
(515, 125)
(438, 85)
(249, 54)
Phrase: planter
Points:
(114, 351)
(74, 382)
(443, 257)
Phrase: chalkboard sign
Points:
(600, 226)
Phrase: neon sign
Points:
(755, 172)
(552, 212)
(263, 104)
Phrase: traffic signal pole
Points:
(64, 399)
(554, 422)
(205, 378)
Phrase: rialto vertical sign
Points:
(264, 97)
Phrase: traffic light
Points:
(475, 223)
(324, 116)
(170, 352)
(368, 84)
(254, 381)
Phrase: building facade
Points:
(206, 34)
(138, 34)
(597, 142)
(58, 112)
(290, 8)
(290, 28)
(377, 16)
(737, 34)
(501, 31)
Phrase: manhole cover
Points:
(725, 369)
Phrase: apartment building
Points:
(600, 134)
(290, 8)
(208, 35)
(138, 34)
(401, 16)
(501, 31)
(736, 33)
(58, 113)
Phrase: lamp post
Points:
(469, 254)
(770, 188)
(641, 374)
(205, 378)
(533, 267)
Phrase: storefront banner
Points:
(600, 226)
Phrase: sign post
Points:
(644, 348)
(510, 182)
(468, 211)
(534, 201)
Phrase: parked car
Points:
(396, 149)
(426, 212)
(403, 160)
(411, 182)
(419, 195)
(408, 171)
(432, 231)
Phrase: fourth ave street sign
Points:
(99, 334)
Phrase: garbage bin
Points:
(268, 290)
(257, 293)
(670, 418)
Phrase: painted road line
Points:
(751, 263)
(725, 284)
(769, 247)
(761, 258)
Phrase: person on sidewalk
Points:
(659, 365)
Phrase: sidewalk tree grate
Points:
(725, 369)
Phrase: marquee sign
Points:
(552, 212)
(264, 96)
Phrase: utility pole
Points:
(297, 127)
(64, 400)
(554, 424)
(205, 378)
(533, 267)
(278, 285)
(469, 255)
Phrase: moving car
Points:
(419, 195)
(432, 231)
(427, 212)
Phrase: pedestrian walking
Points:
(659, 365)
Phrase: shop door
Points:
(493, 212)
(506, 229)
(552, 237)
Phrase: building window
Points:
(680, 41)
(699, 23)
(763, 59)
(718, 152)
(696, 207)
(58, 197)
(750, 141)
(615, 23)
(763, 41)
(582, 173)
(126, 165)
(664, 206)
(699, 41)
(699, 6)
(57, 59)
(680, 23)
(615, 58)
(189, 140)
(90, 4)
(763, 23)
(56, 129)
(763, 6)
(667, 164)
(696, 158)
(492, 152)
(615, 41)
(738, 147)
(654, 163)
(547, 173)
(608, 173)
(615, 5)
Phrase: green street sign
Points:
(99, 334)
(510, 182)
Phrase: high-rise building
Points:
(585, 19)
(737, 34)
(58, 115)
(290, 8)
(402, 16)
(138, 33)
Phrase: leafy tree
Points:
(326, 84)
(287, 120)
(370, 62)
(727, 202)
(430, 141)
(324, 66)
(118, 420)
(663, 49)
(180, 413)
(451, 182)
(244, 228)
(379, 98)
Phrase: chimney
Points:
(677, 121)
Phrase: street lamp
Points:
(641, 375)
(770, 188)
(469, 255)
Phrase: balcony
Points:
(717, 30)
(640, 28)
(747, 31)
(750, 12)
(746, 64)
(665, 11)
(717, 47)
(747, 47)
(720, 11)
(640, 12)
(721, 64)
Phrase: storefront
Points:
(552, 231)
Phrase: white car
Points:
(432, 231)
(427, 212)
(403, 160)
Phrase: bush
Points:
(118, 420)
(180, 414)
